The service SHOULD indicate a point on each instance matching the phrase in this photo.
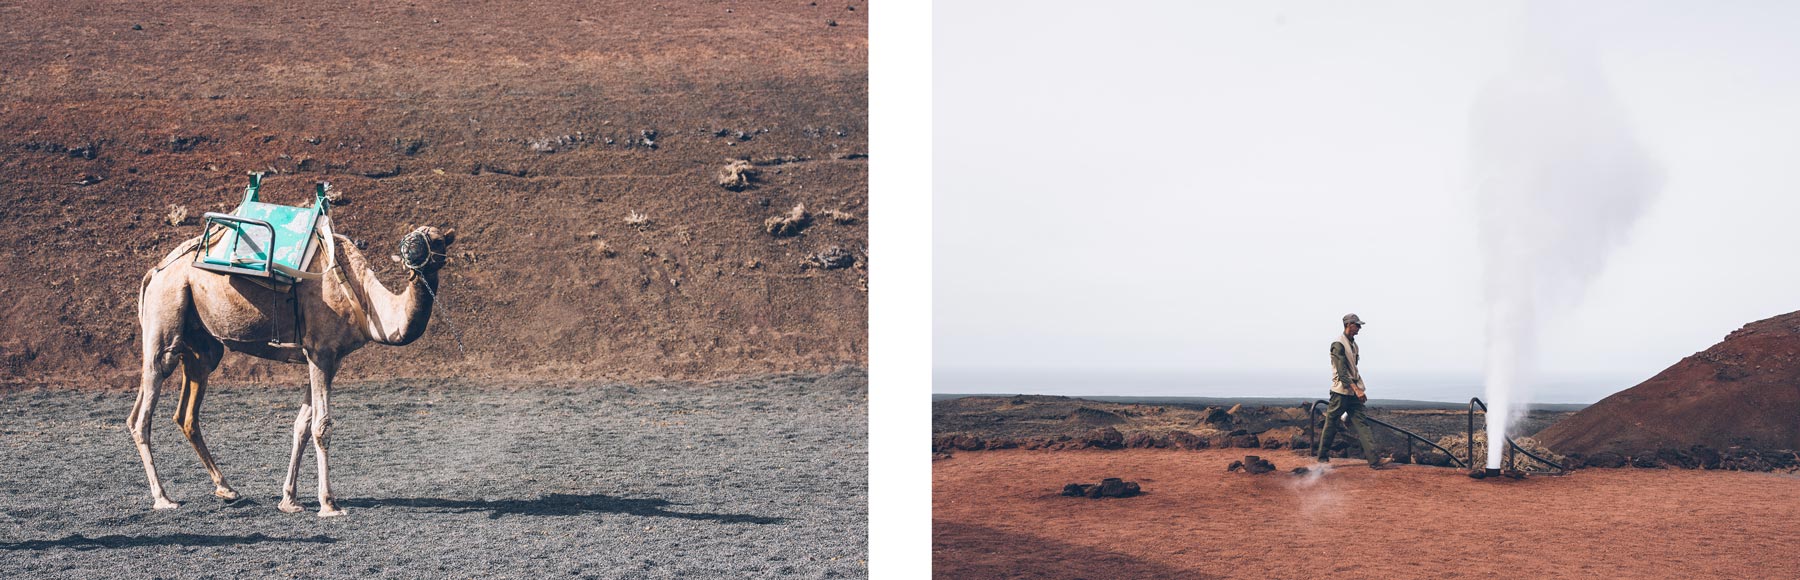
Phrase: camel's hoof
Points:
(226, 494)
(164, 504)
(330, 513)
(288, 505)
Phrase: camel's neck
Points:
(392, 318)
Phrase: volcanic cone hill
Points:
(1744, 391)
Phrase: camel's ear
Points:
(450, 236)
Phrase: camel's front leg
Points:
(322, 372)
(302, 426)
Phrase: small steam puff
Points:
(1559, 179)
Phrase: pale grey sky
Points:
(1178, 187)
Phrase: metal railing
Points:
(1312, 414)
(1513, 448)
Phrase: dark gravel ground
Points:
(763, 477)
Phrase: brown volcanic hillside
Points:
(533, 128)
(1744, 391)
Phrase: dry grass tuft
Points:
(782, 226)
(737, 175)
(177, 214)
(638, 220)
(1458, 444)
(839, 216)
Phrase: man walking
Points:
(1348, 396)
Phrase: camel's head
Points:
(425, 249)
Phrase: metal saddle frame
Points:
(268, 244)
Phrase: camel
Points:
(190, 316)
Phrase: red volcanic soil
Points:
(1743, 391)
(998, 514)
(534, 128)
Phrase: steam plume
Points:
(1559, 180)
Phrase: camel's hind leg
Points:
(159, 362)
(187, 417)
(290, 486)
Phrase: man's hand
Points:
(1362, 395)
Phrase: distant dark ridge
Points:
(1259, 401)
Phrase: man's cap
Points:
(1350, 319)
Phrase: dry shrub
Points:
(177, 214)
(637, 220)
(839, 216)
(782, 226)
(1458, 444)
(605, 251)
(737, 175)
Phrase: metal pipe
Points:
(1513, 448)
(1313, 410)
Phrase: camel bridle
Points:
(415, 255)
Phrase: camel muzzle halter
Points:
(415, 254)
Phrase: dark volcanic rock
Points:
(1109, 487)
(1104, 438)
(1676, 458)
(1185, 440)
(1235, 465)
(1605, 459)
(1256, 465)
(1707, 457)
(958, 442)
(1646, 460)
(1246, 442)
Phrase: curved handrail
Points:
(1476, 401)
(1312, 412)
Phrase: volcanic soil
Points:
(746, 478)
(575, 148)
(998, 514)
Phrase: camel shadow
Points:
(80, 542)
(562, 504)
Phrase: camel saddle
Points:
(268, 243)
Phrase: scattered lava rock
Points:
(1646, 460)
(834, 258)
(1300, 471)
(180, 144)
(1109, 487)
(1253, 465)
